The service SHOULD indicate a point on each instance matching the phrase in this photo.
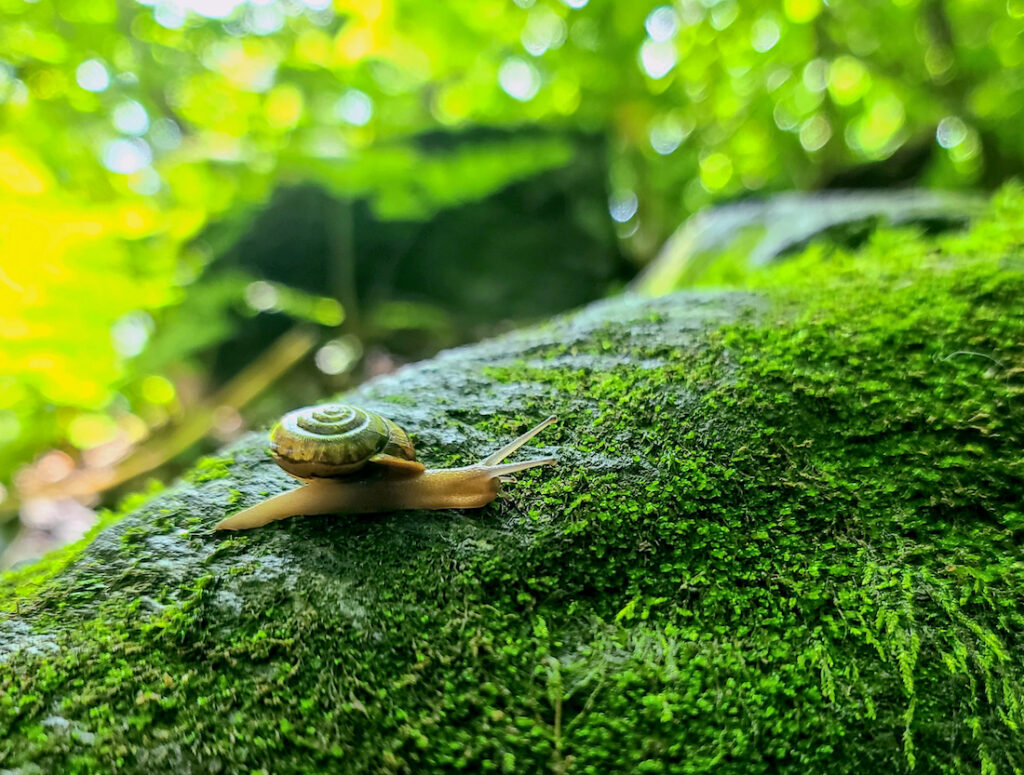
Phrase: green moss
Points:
(207, 469)
(400, 400)
(22, 584)
(786, 544)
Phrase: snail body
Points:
(357, 462)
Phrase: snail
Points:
(357, 462)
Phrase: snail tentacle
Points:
(512, 446)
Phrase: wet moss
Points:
(782, 537)
(21, 585)
(209, 468)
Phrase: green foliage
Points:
(789, 544)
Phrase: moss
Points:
(21, 584)
(398, 399)
(207, 469)
(788, 543)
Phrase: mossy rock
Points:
(729, 241)
(784, 536)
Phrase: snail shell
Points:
(336, 440)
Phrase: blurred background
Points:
(212, 211)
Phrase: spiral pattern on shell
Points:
(333, 420)
(335, 440)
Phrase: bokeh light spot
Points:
(623, 205)
(951, 132)
(544, 30)
(212, 9)
(264, 19)
(354, 107)
(815, 132)
(328, 312)
(157, 390)
(261, 296)
(777, 78)
(668, 133)
(166, 135)
(146, 182)
(519, 79)
(784, 119)
(92, 75)
(815, 75)
(715, 171)
(801, 11)
(91, 429)
(967, 150)
(658, 59)
(662, 23)
(126, 156)
(284, 106)
(764, 34)
(723, 14)
(939, 60)
(130, 333)
(339, 355)
(131, 118)
(874, 131)
(169, 15)
(452, 104)
(848, 80)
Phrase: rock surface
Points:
(784, 535)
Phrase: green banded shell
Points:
(336, 440)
